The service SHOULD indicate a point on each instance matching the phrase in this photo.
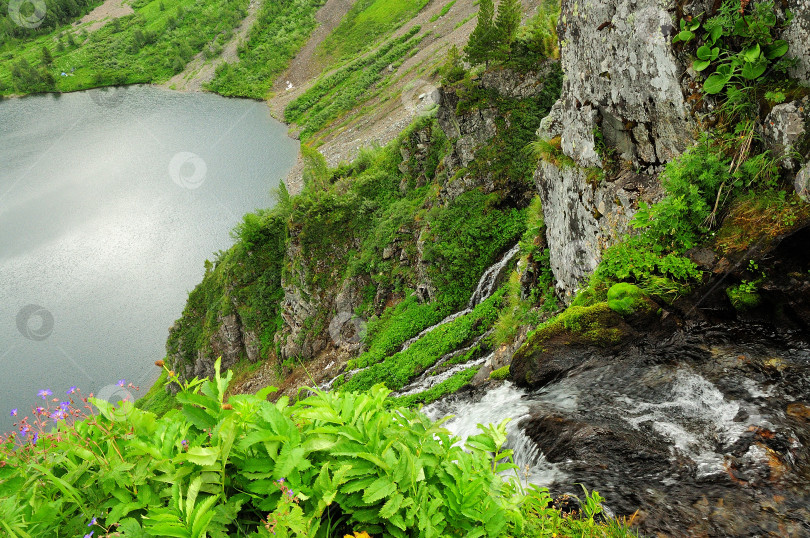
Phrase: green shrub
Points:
(321, 467)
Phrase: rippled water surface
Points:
(110, 202)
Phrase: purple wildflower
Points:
(64, 406)
(92, 522)
(14, 412)
(89, 535)
(72, 390)
(39, 410)
(58, 414)
(44, 393)
(35, 438)
(121, 382)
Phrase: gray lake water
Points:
(110, 202)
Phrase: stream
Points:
(705, 434)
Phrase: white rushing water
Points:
(484, 289)
(697, 420)
(498, 404)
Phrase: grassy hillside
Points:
(366, 23)
(154, 43)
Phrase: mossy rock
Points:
(743, 300)
(626, 299)
(566, 341)
(500, 373)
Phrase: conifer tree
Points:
(483, 39)
(47, 57)
(507, 24)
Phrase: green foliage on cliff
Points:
(463, 240)
(244, 281)
(737, 45)
(504, 157)
(398, 369)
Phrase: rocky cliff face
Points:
(625, 97)
(462, 131)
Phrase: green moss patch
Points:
(500, 373)
(625, 298)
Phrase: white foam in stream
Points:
(505, 401)
(697, 420)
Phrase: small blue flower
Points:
(64, 406)
(44, 393)
(92, 522)
(14, 412)
(89, 535)
(72, 390)
(121, 382)
(35, 438)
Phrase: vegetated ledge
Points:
(777, 258)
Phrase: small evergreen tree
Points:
(483, 39)
(507, 24)
(47, 57)
(452, 70)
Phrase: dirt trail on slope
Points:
(200, 71)
(109, 10)
(381, 119)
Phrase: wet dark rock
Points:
(579, 337)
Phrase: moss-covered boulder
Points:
(500, 373)
(626, 299)
(567, 341)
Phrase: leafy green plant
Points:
(248, 467)
(739, 46)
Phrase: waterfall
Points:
(484, 289)
(430, 379)
(505, 401)
(486, 285)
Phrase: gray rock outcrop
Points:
(786, 132)
(622, 91)
(622, 78)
